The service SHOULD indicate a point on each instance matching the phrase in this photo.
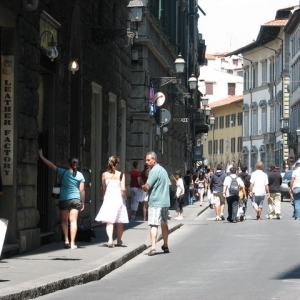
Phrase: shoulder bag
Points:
(56, 188)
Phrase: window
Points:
(232, 145)
(209, 88)
(231, 89)
(240, 73)
(264, 72)
(254, 75)
(215, 146)
(232, 121)
(246, 124)
(227, 121)
(240, 144)
(246, 78)
(254, 122)
(221, 146)
(221, 122)
(216, 123)
(264, 120)
(235, 61)
(210, 147)
(229, 71)
(240, 119)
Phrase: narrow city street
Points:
(210, 260)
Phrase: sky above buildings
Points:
(229, 25)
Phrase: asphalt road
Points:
(210, 260)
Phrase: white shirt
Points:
(228, 168)
(180, 187)
(227, 182)
(259, 179)
(296, 174)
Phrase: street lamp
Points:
(179, 64)
(192, 82)
(51, 50)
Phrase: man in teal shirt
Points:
(157, 186)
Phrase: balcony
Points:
(269, 138)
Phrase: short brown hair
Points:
(259, 165)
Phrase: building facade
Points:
(99, 110)
(266, 95)
(224, 142)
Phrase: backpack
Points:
(234, 186)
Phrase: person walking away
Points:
(135, 189)
(246, 179)
(71, 199)
(113, 210)
(295, 190)
(216, 187)
(231, 189)
(159, 202)
(145, 196)
(202, 186)
(188, 187)
(274, 201)
(229, 167)
(259, 189)
(179, 195)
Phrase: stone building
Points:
(99, 111)
(81, 114)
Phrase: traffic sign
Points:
(292, 159)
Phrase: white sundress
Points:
(113, 209)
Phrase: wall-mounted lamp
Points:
(73, 66)
(212, 120)
(179, 64)
(192, 82)
(51, 50)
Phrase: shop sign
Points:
(7, 118)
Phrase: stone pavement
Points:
(51, 268)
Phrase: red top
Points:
(135, 174)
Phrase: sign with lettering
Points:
(7, 118)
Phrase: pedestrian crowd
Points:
(152, 187)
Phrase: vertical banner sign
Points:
(6, 118)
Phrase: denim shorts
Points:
(69, 204)
(258, 201)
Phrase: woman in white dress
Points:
(113, 209)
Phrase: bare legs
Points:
(110, 231)
(154, 232)
(145, 209)
(71, 216)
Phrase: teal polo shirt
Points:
(159, 194)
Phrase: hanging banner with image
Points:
(7, 118)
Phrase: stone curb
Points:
(92, 275)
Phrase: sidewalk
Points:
(52, 268)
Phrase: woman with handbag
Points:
(113, 209)
(71, 199)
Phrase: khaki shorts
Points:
(218, 199)
(158, 215)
